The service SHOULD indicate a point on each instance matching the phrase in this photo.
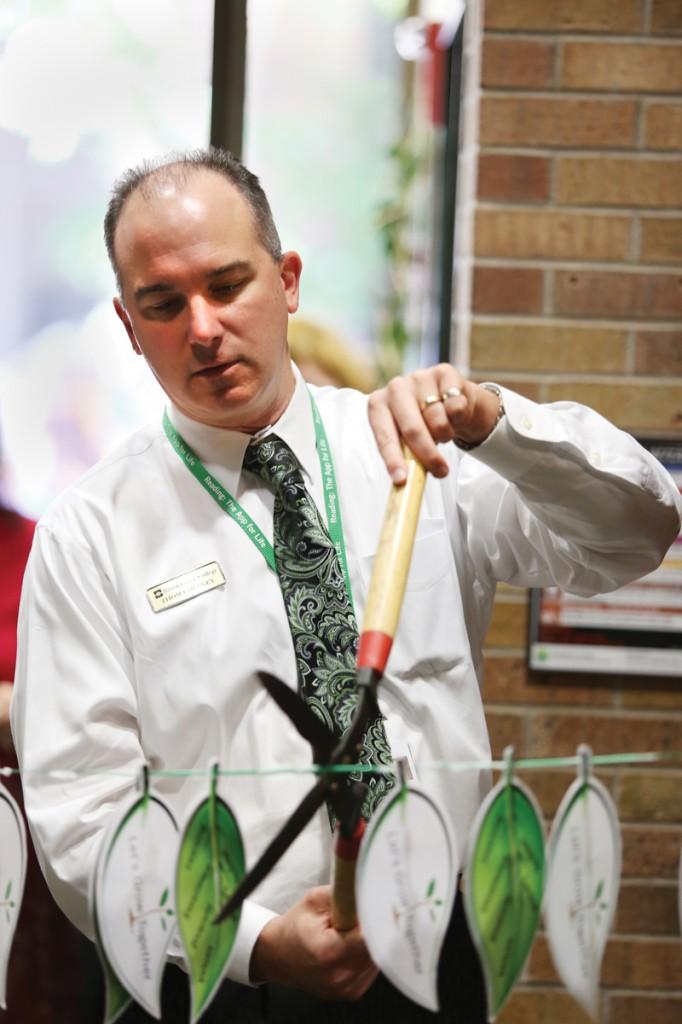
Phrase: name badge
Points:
(185, 587)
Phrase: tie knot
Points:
(273, 461)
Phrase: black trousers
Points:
(460, 987)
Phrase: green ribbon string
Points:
(234, 510)
(456, 767)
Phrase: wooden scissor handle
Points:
(382, 611)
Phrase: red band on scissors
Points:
(347, 847)
(374, 649)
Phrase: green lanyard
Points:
(231, 506)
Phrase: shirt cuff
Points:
(254, 918)
(511, 448)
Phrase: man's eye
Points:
(227, 288)
(164, 307)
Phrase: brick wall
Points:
(577, 292)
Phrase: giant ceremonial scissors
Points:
(382, 611)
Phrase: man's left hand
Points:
(428, 408)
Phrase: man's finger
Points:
(387, 437)
(396, 416)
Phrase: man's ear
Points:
(122, 314)
(290, 269)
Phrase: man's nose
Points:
(205, 329)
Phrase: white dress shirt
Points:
(555, 495)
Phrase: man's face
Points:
(205, 303)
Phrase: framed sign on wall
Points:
(636, 629)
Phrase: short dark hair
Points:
(180, 167)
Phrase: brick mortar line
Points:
(615, 266)
(640, 122)
(547, 988)
(670, 99)
(501, 652)
(553, 175)
(601, 95)
(630, 353)
(558, 263)
(629, 152)
(636, 238)
(575, 36)
(571, 377)
(547, 291)
(524, 92)
(558, 65)
(646, 17)
(527, 320)
(541, 708)
(578, 152)
(649, 939)
(636, 714)
(653, 994)
(518, 206)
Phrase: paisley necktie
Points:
(321, 617)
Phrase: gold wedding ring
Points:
(452, 392)
(429, 400)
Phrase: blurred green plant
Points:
(394, 216)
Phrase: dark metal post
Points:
(228, 79)
(449, 186)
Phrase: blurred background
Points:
(503, 190)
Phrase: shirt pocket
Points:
(429, 638)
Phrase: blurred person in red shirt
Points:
(16, 536)
(52, 973)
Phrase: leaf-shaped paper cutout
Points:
(116, 999)
(136, 865)
(12, 878)
(209, 868)
(405, 887)
(583, 876)
(504, 883)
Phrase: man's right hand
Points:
(302, 949)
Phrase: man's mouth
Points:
(216, 370)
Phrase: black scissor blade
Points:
(306, 721)
(279, 845)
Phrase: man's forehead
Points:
(168, 189)
(178, 205)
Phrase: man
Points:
(528, 494)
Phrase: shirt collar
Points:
(224, 449)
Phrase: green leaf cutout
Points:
(164, 897)
(504, 888)
(116, 997)
(209, 868)
(8, 889)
